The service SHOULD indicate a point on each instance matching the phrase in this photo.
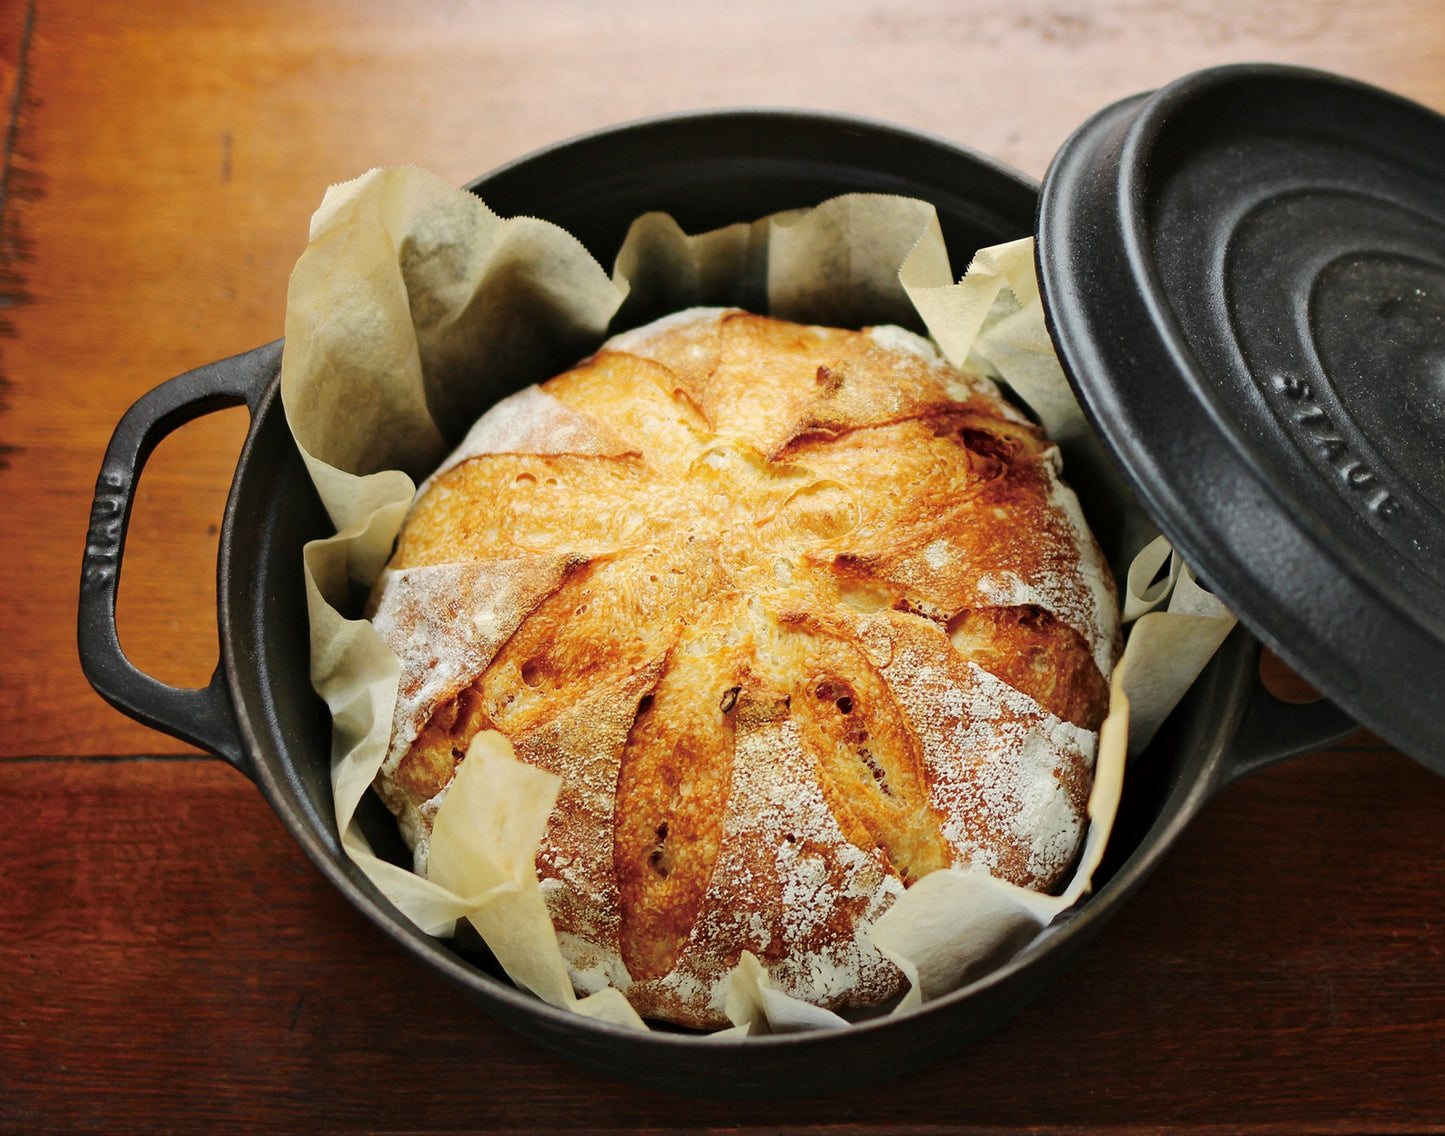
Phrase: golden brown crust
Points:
(797, 614)
(672, 791)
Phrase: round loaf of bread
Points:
(797, 615)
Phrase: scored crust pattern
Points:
(797, 614)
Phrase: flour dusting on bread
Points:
(797, 614)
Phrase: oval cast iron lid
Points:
(1244, 274)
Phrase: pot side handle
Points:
(1271, 730)
(204, 717)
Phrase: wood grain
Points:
(166, 158)
(168, 959)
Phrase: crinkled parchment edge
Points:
(413, 298)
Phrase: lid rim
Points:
(1143, 130)
(1093, 242)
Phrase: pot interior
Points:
(706, 170)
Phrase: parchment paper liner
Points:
(415, 307)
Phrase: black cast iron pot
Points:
(260, 713)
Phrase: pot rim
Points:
(1082, 919)
(1235, 690)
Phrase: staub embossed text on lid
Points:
(1245, 280)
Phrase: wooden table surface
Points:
(169, 960)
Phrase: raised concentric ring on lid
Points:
(1245, 279)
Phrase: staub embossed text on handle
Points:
(107, 527)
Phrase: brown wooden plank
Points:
(169, 959)
(167, 157)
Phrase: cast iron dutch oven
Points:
(1245, 278)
